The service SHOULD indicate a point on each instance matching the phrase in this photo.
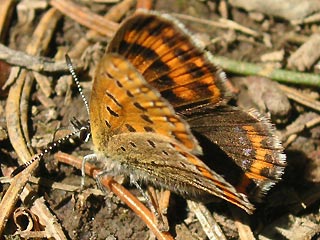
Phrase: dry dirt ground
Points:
(257, 35)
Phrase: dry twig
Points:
(306, 55)
(301, 98)
(146, 4)
(38, 64)
(85, 17)
(223, 23)
(209, 225)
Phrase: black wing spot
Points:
(148, 129)
(119, 84)
(130, 128)
(183, 154)
(182, 164)
(113, 113)
(146, 118)
(123, 149)
(138, 105)
(113, 99)
(137, 49)
(165, 153)
(133, 144)
(129, 94)
(108, 75)
(108, 124)
(151, 143)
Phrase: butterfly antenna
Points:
(82, 129)
(53, 146)
(76, 80)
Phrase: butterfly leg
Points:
(157, 215)
(90, 157)
(146, 197)
(99, 177)
(160, 200)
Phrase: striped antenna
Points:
(85, 135)
(76, 80)
(82, 129)
(51, 147)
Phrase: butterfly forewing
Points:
(170, 60)
(124, 102)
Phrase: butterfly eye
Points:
(85, 134)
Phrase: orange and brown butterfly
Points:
(151, 71)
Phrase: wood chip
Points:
(306, 55)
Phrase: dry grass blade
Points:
(222, 23)
(306, 55)
(53, 228)
(85, 17)
(16, 135)
(209, 225)
(292, 134)
(120, 191)
(6, 10)
(241, 222)
(8, 201)
(114, 14)
(301, 98)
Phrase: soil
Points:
(290, 210)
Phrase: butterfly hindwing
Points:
(252, 157)
(165, 163)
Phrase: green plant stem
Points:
(280, 75)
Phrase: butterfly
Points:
(158, 115)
